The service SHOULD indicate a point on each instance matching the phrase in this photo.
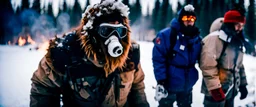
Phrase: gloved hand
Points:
(218, 94)
(160, 92)
(243, 90)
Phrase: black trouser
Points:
(210, 102)
(184, 99)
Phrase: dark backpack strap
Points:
(225, 45)
(108, 83)
(173, 39)
(134, 57)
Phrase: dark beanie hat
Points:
(187, 10)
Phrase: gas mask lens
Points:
(105, 30)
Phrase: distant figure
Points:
(175, 53)
(221, 61)
(97, 65)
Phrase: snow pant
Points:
(228, 102)
(184, 99)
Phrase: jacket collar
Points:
(222, 35)
(175, 24)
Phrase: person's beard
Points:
(238, 39)
(238, 31)
(189, 30)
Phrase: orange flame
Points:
(9, 43)
(40, 46)
(44, 46)
(21, 41)
(30, 40)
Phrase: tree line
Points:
(154, 20)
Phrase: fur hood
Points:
(89, 41)
(216, 24)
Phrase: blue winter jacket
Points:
(177, 65)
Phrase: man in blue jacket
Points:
(176, 50)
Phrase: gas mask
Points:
(111, 34)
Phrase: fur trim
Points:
(91, 51)
(103, 8)
(52, 44)
(111, 63)
(216, 24)
(221, 34)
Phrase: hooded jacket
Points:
(176, 66)
(224, 72)
(50, 86)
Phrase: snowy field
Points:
(17, 65)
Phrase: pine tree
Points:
(231, 4)
(241, 2)
(148, 18)
(24, 4)
(250, 26)
(36, 6)
(63, 8)
(179, 7)
(5, 5)
(170, 15)
(163, 14)
(63, 19)
(188, 1)
(214, 10)
(7, 12)
(76, 14)
(135, 12)
(50, 10)
(204, 20)
(126, 2)
(155, 15)
(223, 8)
(138, 8)
(60, 10)
(197, 6)
(87, 4)
(18, 10)
(148, 14)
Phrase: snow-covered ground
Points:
(17, 65)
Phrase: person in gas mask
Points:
(221, 62)
(175, 53)
(96, 65)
